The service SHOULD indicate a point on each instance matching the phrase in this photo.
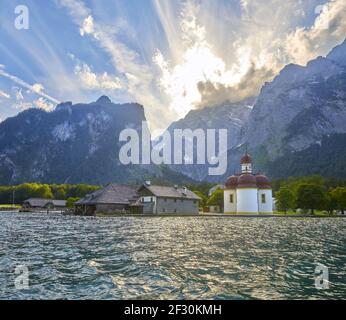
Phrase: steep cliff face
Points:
(73, 144)
(227, 116)
(325, 158)
(298, 108)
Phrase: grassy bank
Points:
(9, 206)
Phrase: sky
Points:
(171, 56)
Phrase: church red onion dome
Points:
(263, 182)
(247, 180)
(232, 182)
(246, 159)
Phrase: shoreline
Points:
(218, 215)
(201, 215)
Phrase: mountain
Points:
(325, 158)
(300, 108)
(300, 115)
(338, 54)
(74, 144)
(231, 116)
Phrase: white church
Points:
(247, 193)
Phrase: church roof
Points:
(232, 182)
(246, 159)
(263, 182)
(247, 180)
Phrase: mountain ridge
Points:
(74, 144)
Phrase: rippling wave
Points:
(171, 258)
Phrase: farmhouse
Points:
(113, 198)
(168, 200)
(147, 199)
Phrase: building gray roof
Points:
(35, 202)
(111, 194)
(171, 192)
(41, 203)
(58, 203)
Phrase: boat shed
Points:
(113, 198)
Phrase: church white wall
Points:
(247, 201)
(228, 206)
(266, 207)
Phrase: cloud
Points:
(88, 26)
(39, 103)
(223, 56)
(202, 77)
(207, 52)
(18, 93)
(91, 80)
(5, 95)
(214, 94)
(43, 104)
(133, 74)
(36, 88)
(23, 106)
(329, 27)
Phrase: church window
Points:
(263, 196)
(232, 198)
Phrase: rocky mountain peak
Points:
(64, 106)
(104, 100)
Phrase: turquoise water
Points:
(171, 258)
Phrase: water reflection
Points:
(171, 258)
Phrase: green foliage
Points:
(330, 202)
(339, 196)
(203, 187)
(311, 197)
(203, 197)
(34, 190)
(29, 190)
(311, 193)
(216, 199)
(71, 201)
(285, 199)
(43, 191)
(59, 192)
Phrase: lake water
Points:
(171, 258)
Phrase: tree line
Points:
(311, 194)
(22, 192)
(306, 193)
